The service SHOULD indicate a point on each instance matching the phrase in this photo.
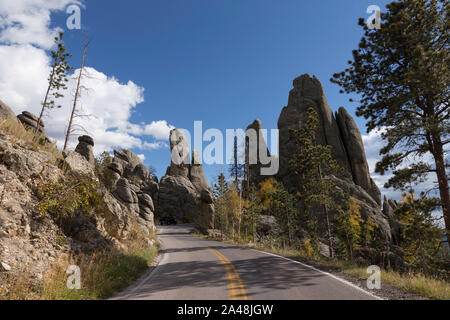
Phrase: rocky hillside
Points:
(53, 203)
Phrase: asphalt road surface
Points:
(196, 269)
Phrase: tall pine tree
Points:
(402, 74)
(58, 77)
(313, 164)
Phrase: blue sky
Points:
(225, 62)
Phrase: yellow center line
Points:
(235, 285)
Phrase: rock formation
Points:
(133, 187)
(308, 93)
(254, 169)
(356, 154)
(184, 192)
(389, 207)
(85, 147)
(78, 164)
(6, 112)
(342, 134)
(31, 122)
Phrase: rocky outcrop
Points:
(133, 187)
(6, 112)
(85, 147)
(78, 164)
(342, 134)
(184, 192)
(389, 207)
(356, 154)
(254, 169)
(308, 93)
(31, 122)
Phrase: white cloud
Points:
(159, 130)
(24, 67)
(141, 156)
(28, 21)
(155, 145)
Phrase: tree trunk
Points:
(45, 99)
(330, 240)
(442, 180)
(77, 91)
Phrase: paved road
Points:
(198, 269)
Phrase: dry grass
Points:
(416, 283)
(102, 275)
(26, 138)
(427, 287)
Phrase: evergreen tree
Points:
(421, 235)
(237, 169)
(58, 77)
(220, 190)
(284, 209)
(314, 164)
(402, 74)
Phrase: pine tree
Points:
(402, 74)
(283, 207)
(314, 164)
(236, 169)
(58, 77)
(220, 190)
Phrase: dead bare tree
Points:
(77, 94)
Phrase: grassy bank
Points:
(102, 275)
(415, 283)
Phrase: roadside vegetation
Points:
(102, 274)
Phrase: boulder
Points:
(128, 160)
(146, 201)
(116, 167)
(31, 122)
(78, 164)
(141, 172)
(6, 112)
(124, 191)
(85, 147)
(268, 226)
